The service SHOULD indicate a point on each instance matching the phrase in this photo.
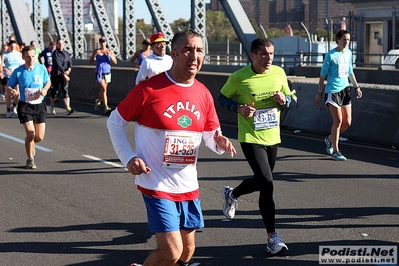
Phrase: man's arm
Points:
(218, 143)
(69, 65)
(45, 88)
(117, 131)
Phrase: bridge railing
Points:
(382, 61)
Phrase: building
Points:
(111, 7)
(277, 13)
(376, 29)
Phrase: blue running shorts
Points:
(167, 216)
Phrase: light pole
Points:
(310, 41)
(328, 35)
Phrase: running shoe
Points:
(337, 156)
(275, 245)
(52, 110)
(329, 147)
(30, 164)
(14, 111)
(69, 111)
(96, 105)
(229, 205)
(136, 264)
(2, 96)
(107, 111)
(8, 114)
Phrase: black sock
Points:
(183, 263)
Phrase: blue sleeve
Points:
(12, 82)
(227, 103)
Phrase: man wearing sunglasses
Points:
(156, 63)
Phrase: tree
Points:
(45, 25)
(180, 24)
(218, 27)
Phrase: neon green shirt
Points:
(246, 87)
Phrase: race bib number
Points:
(181, 151)
(33, 96)
(265, 118)
(343, 70)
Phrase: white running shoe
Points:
(329, 147)
(229, 205)
(52, 110)
(275, 245)
(8, 114)
(14, 111)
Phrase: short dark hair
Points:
(341, 33)
(257, 43)
(27, 49)
(177, 39)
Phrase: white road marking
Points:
(117, 165)
(23, 142)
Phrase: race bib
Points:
(343, 70)
(265, 118)
(181, 151)
(33, 95)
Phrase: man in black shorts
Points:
(62, 66)
(34, 82)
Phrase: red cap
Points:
(158, 37)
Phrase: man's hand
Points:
(246, 110)
(13, 92)
(136, 166)
(279, 97)
(224, 143)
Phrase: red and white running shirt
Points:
(171, 119)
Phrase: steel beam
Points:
(240, 22)
(20, 20)
(105, 26)
(5, 22)
(159, 18)
(38, 22)
(60, 24)
(78, 29)
(129, 29)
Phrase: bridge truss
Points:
(13, 21)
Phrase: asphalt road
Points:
(80, 207)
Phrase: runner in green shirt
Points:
(258, 93)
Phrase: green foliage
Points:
(321, 33)
(45, 24)
(274, 33)
(180, 24)
(218, 27)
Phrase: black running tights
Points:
(261, 160)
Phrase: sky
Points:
(172, 9)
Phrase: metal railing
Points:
(308, 59)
